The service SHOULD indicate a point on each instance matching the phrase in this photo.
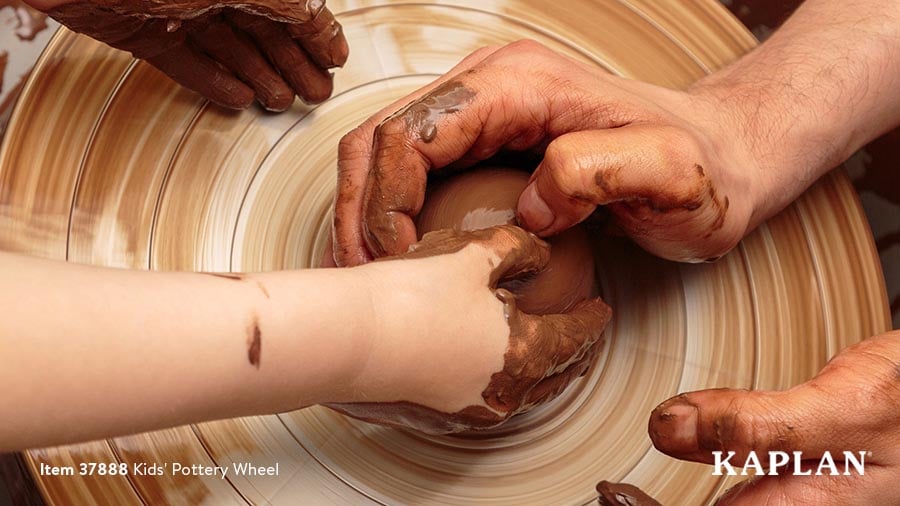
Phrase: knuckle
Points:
(354, 142)
(485, 50)
(528, 47)
(739, 427)
(880, 386)
(391, 127)
(681, 152)
(677, 144)
(560, 166)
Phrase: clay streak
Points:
(225, 275)
(254, 343)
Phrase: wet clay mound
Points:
(487, 196)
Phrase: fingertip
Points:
(237, 98)
(602, 307)
(594, 314)
(316, 90)
(532, 211)
(673, 427)
(340, 51)
(277, 102)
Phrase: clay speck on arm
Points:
(240, 277)
(225, 275)
(254, 335)
(262, 288)
(254, 342)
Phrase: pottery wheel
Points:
(108, 162)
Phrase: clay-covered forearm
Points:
(820, 88)
(89, 352)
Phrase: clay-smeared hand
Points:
(852, 405)
(659, 159)
(229, 51)
(453, 352)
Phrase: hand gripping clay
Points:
(482, 198)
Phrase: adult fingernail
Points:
(673, 427)
(534, 213)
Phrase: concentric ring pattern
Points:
(108, 162)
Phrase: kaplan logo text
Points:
(782, 463)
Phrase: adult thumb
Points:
(582, 170)
(803, 419)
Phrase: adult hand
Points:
(229, 51)
(852, 405)
(451, 351)
(661, 160)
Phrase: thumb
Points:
(581, 170)
(805, 419)
(851, 405)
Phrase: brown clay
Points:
(285, 11)
(545, 353)
(623, 494)
(29, 22)
(228, 51)
(423, 115)
(254, 342)
(395, 187)
(487, 197)
(4, 59)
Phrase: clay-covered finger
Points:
(550, 388)
(542, 346)
(241, 56)
(322, 38)
(310, 82)
(692, 426)
(354, 164)
(847, 405)
(575, 332)
(470, 117)
(516, 252)
(198, 72)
